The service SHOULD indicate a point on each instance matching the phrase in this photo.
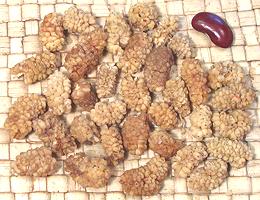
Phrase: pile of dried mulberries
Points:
(132, 105)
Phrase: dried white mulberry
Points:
(180, 46)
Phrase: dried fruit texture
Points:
(77, 21)
(235, 96)
(163, 115)
(187, 158)
(37, 68)
(180, 46)
(163, 144)
(22, 113)
(201, 124)
(52, 130)
(196, 81)
(112, 142)
(35, 162)
(88, 172)
(51, 33)
(108, 113)
(135, 93)
(84, 56)
(157, 68)
(143, 16)
(209, 177)
(106, 81)
(145, 180)
(164, 31)
(83, 95)
(225, 73)
(84, 129)
(135, 133)
(138, 47)
(233, 124)
(232, 151)
(176, 93)
(118, 33)
(58, 93)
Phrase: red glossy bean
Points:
(215, 27)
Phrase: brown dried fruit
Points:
(84, 129)
(35, 162)
(83, 95)
(196, 81)
(163, 115)
(176, 93)
(112, 142)
(188, 158)
(180, 46)
(88, 172)
(157, 68)
(163, 144)
(51, 33)
(22, 113)
(233, 124)
(135, 133)
(138, 47)
(209, 177)
(145, 180)
(232, 151)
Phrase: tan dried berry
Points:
(112, 142)
(180, 46)
(37, 68)
(83, 95)
(106, 81)
(88, 172)
(108, 112)
(176, 93)
(210, 176)
(135, 93)
(234, 124)
(196, 81)
(51, 33)
(188, 158)
(83, 129)
(157, 68)
(35, 162)
(164, 31)
(232, 151)
(77, 21)
(58, 92)
(162, 143)
(84, 57)
(146, 180)
(163, 115)
(22, 113)
(138, 47)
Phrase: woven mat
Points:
(19, 23)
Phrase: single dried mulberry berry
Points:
(135, 133)
(176, 93)
(37, 68)
(180, 46)
(84, 95)
(52, 32)
(233, 124)
(22, 113)
(187, 158)
(88, 172)
(209, 177)
(35, 162)
(157, 68)
(58, 93)
(163, 144)
(84, 129)
(111, 140)
(232, 151)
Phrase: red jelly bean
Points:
(215, 27)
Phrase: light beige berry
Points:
(180, 46)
